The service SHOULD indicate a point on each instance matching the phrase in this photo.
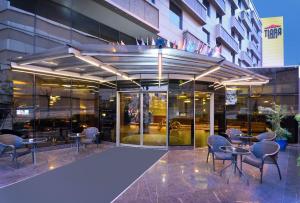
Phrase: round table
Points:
(77, 137)
(34, 142)
(235, 152)
(246, 139)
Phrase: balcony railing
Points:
(237, 27)
(255, 50)
(141, 10)
(246, 3)
(255, 36)
(245, 19)
(255, 20)
(246, 58)
(234, 3)
(197, 9)
(226, 38)
(220, 5)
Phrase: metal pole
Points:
(212, 114)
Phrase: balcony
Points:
(255, 50)
(197, 9)
(256, 21)
(141, 11)
(220, 6)
(246, 20)
(244, 57)
(246, 4)
(226, 38)
(237, 27)
(234, 3)
(255, 36)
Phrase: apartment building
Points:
(232, 24)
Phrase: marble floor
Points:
(184, 176)
(179, 176)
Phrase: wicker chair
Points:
(266, 136)
(13, 146)
(265, 152)
(214, 143)
(233, 134)
(91, 135)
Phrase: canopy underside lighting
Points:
(108, 63)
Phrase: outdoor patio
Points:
(179, 176)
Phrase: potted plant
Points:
(275, 118)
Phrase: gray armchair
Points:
(91, 135)
(13, 146)
(214, 143)
(265, 152)
(266, 136)
(233, 134)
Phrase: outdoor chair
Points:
(214, 143)
(265, 152)
(13, 146)
(91, 135)
(233, 135)
(266, 136)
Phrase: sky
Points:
(290, 10)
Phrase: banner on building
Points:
(273, 42)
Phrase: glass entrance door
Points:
(129, 118)
(202, 118)
(142, 118)
(154, 118)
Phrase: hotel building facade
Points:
(70, 64)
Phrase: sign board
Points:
(273, 42)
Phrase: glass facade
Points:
(64, 15)
(175, 114)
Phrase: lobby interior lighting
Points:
(209, 71)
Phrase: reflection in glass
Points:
(52, 108)
(154, 118)
(237, 108)
(107, 108)
(181, 112)
(84, 105)
(22, 114)
(130, 118)
(202, 109)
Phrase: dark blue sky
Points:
(290, 10)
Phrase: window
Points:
(240, 43)
(240, 62)
(207, 34)
(240, 3)
(153, 1)
(175, 15)
(232, 11)
(233, 57)
(248, 34)
(207, 5)
(218, 16)
(232, 33)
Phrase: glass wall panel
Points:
(22, 114)
(237, 108)
(220, 121)
(202, 112)
(130, 118)
(181, 113)
(84, 105)
(53, 105)
(260, 107)
(154, 118)
(107, 108)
